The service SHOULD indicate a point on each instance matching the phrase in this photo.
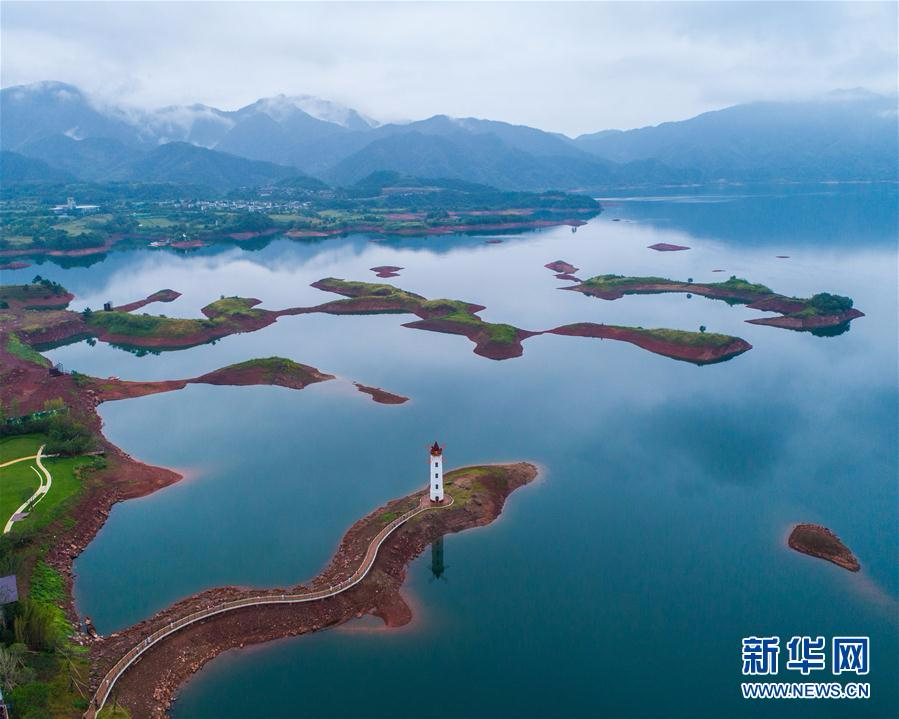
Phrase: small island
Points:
(667, 247)
(561, 267)
(380, 395)
(272, 371)
(699, 348)
(818, 541)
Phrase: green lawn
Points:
(21, 446)
(155, 222)
(16, 347)
(17, 483)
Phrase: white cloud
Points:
(568, 67)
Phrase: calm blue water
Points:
(619, 585)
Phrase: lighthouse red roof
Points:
(436, 449)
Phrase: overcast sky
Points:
(570, 68)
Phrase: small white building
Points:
(70, 208)
(435, 473)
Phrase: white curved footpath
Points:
(20, 459)
(112, 676)
(39, 493)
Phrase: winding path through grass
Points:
(39, 493)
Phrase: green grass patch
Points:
(31, 291)
(232, 307)
(49, 588)
(17, 483)
(16, 347)
(67, 484)
(619, 282)
(144, 325)
(739, 285)
(682, 337)
(21, 446)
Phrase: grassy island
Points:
(820, 311)
(698, 348)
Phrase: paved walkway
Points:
(20, 459)
(112, 676)
(39, 493)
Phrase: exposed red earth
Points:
(160, 296)
(818, 541)
(386, 270)
(666, 247)
(485, 344)
(567, 277)
(39, 299)
(562, 267)
(148, 687)
(380, 395)
(293, 376)
(697, 354)
(14, 265)
(809, 323)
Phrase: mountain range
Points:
(846, 135)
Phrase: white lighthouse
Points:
(435, 472)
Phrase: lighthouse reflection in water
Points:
(437, 565)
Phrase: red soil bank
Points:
(484, 345)
(298, 377)
(818, 541)
(161, 296)
(809, 323)
(380, 395)
(567, 277)
(665, 247)
(697, 354)
(14, 265)
(41, 301)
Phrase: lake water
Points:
(622, 582)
